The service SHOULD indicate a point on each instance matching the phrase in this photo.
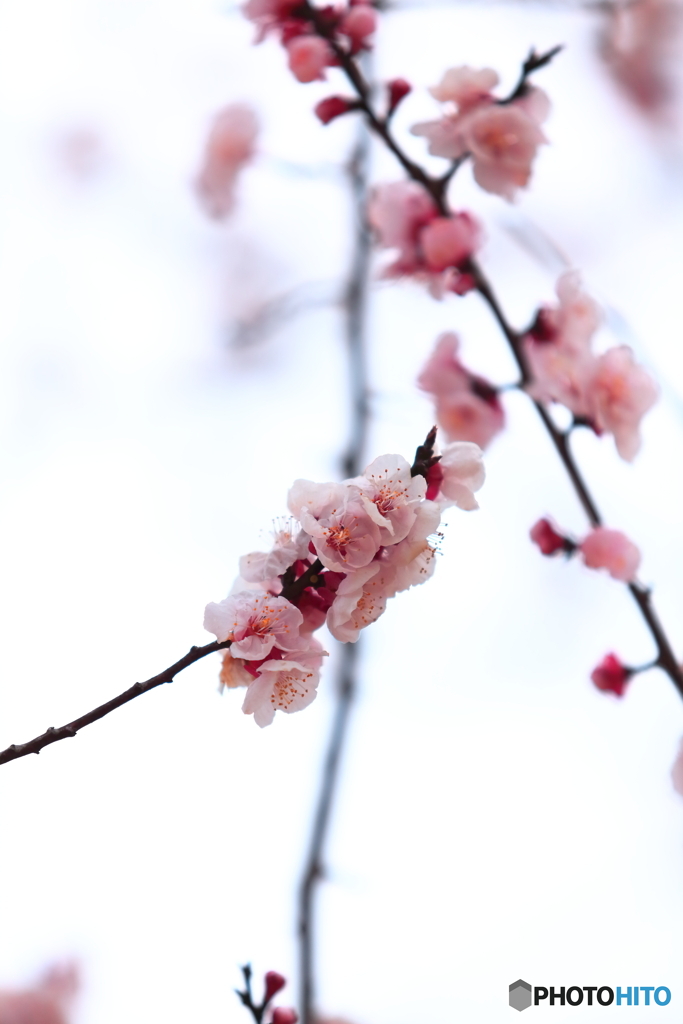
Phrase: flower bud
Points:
(611, 676)
(331, 107)
(544, 534)
(284, 1015)
(273, 983)
(398, 89)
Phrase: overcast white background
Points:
(498, 817)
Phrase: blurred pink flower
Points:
(229, 147)
(284, 1015)
(638, 45)
(611, 550)
(48, 1002)
(619, 393)
(467, 406)
(398, 211)
(610, 675)
(676, 778)
(308, 57)
(358, 25)
(449, 241)
(501, 138)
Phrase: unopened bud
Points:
(285, 1015)
(611, 676)
(398, 89)
(544, 534)
(273, 983)
(331, 107)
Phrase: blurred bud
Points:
(333, 106)
(398, 89)
(611, 676)
(273, 982)
(544, 534)
(285, 1015)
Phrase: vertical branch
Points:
(355, 305)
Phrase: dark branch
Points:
(533, 62)
(65, 731)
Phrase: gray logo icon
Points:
(520, 995)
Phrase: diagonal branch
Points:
(52, 735)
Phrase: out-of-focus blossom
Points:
(359, 25)
(308, 57)
(397, 89)
(619, 394)
(467, 406)
(230, 145)
(676, 772)
(501, 138)
(639, 46)
(611, 676)
(48, 1002)
(611, 550)
(430, 247)
(610, 392)
(544, 534)
(284, 1015)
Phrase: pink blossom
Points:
(345, 536)
(45, 1003)
(285, 684)
(639, 47)
(465, 87)
(269, 14)
(619, 393)
(233, 673)
(610, 675)
(558, 347)
(467, 406)
(308, 57)
(256, 623)
(290, 544)
(501, 138)
(413, 560)
(544, 534)
(461, 473)
(611, 550)
(397, 211)
(358, 25)
(390, 495)
(361, 599)
(677, 771)
(284, 1015)
(229, 147)
(449, 241)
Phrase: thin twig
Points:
(346, 681)
(52, 735)
(666, 658)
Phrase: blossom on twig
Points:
(230, 145)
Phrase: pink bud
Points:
(611, 550)
(359, 23)
(435, 477)
(610, 675)
(284, 1015)
(448, 241)
(398, 90)
(308, 55)
(273, 983)
(548, 539)
(331, 107)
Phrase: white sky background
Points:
(498, 818)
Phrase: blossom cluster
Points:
(347, 549)
(501, 137)
(609, 392)
(348, 29)
(432, 248)
(47, 1002)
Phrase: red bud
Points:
(331, 107)
(398, 90)
(274, 982)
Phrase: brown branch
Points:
(666, 658)
(52, 735)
